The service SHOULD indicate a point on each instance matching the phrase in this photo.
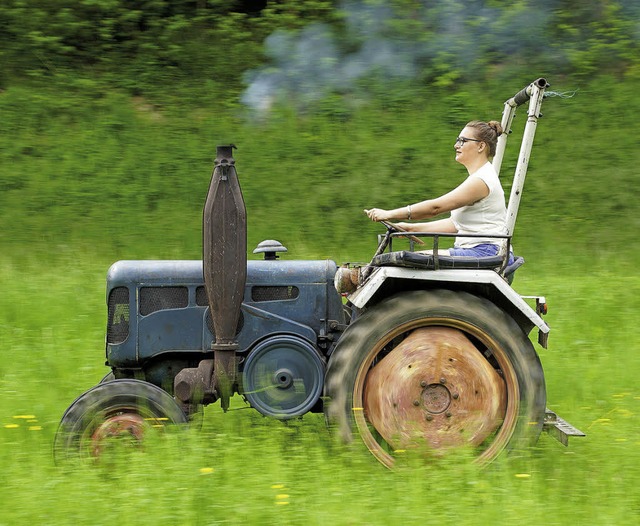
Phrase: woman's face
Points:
(467, 147)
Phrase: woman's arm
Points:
(470, 191)
(441, 225)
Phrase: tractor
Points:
(411, 350)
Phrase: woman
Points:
(477, 206)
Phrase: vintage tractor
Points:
(412, 350)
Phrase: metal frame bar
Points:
(509, 113)
(537, 94)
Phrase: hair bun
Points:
(496, 126)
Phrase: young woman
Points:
(477, 205)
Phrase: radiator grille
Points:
(153, 299)
(274, 293)
(201, 297)
(118, 315)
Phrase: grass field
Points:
(87, 181)
(242, 468)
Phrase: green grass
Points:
(242, 468)
(87, 181)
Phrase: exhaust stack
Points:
(224, 231)
(224, 246)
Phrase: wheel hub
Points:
(436, 388)
(127, 425)
(283, 377)
(436, 398)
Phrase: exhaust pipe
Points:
(224, 230)
(224, 247)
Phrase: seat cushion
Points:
(419, 260)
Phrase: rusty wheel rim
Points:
(125, 425)
(436, 399)
(125, 408)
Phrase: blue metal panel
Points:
(171, 329)
(260, 323)
(160, 272)
(185, 329)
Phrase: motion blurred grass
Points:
(243, 468)
(89, 180)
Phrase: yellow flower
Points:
(11, 426)
(619, 395)
(206, 471)
(35, 428)
(24, 417)
(523, 475)
(281, 498)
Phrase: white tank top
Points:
(487, 216)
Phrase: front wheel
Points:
(440, 369)
(114, 410)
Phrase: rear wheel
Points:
(125, 410)
(436, 370)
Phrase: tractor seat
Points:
(405, 258)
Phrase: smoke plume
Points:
(392, 41)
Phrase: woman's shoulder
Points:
(486, 169)
(487, 173)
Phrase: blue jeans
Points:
(479, 251)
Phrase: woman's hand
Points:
(378, 214)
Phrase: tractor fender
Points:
(385, 281)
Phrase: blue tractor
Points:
(409, 350)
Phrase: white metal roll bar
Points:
(533, 93)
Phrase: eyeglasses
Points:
(462, 140)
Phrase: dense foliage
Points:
(137, 44)
(204, 46)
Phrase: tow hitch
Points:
(559, 428)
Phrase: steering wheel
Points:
(396, 228)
